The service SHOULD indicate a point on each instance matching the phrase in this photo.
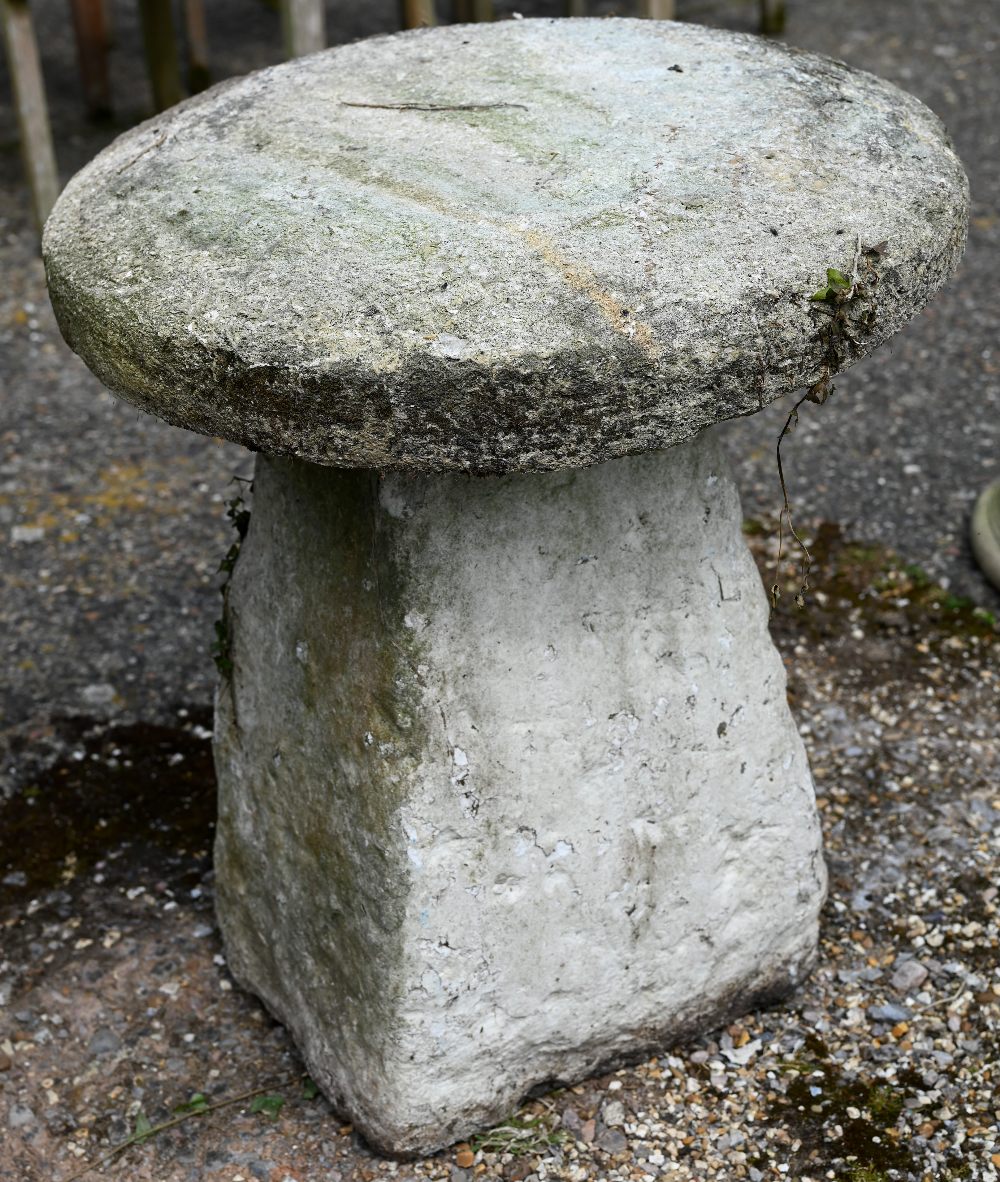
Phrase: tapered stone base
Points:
(509, 788)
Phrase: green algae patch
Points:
(833, 1114)
(320, 734)
(874, 585)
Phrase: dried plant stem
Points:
(943, 1003)
(136, 1139)
(836, 300)
(786, 513)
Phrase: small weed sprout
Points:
(519, 1136)
(263, 1101)
(269, 1105)
(838, 303)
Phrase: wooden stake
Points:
(304, 25)
(772, 17)
(417, 13)
(658, 10)
(160, 41)
(473, 10)
(199, 73)
(109, 22)
(32, 110)
(90, 23)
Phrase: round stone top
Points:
(515, 246)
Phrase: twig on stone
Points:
(158, 142)
(434, 106)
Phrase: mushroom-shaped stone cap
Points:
(515, 246)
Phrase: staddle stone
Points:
(509, 787)
(524, 245)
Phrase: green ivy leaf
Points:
(836, 283)
(143, 1128)
(309, 1089)
(197, 1103)
(270, 1105)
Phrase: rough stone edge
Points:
(276, 435)
(780, 982)
(226, 397)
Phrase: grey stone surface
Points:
(607, 240)
(909, 976)
(20, 1115)
(613, 1113)
(104, 1042)
(509, 788)
(889, 1013)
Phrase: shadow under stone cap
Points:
(525, 245)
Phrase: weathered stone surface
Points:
(608, 239)
(509, 788)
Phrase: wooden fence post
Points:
(160, 40)
(658, 10)
(199, 72)
(304, 25)
(32, 109)
(417, 13)
(772, 16)
(90, 24)
(473, 10)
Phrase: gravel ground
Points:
(115, 1004)
(884, 1066)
